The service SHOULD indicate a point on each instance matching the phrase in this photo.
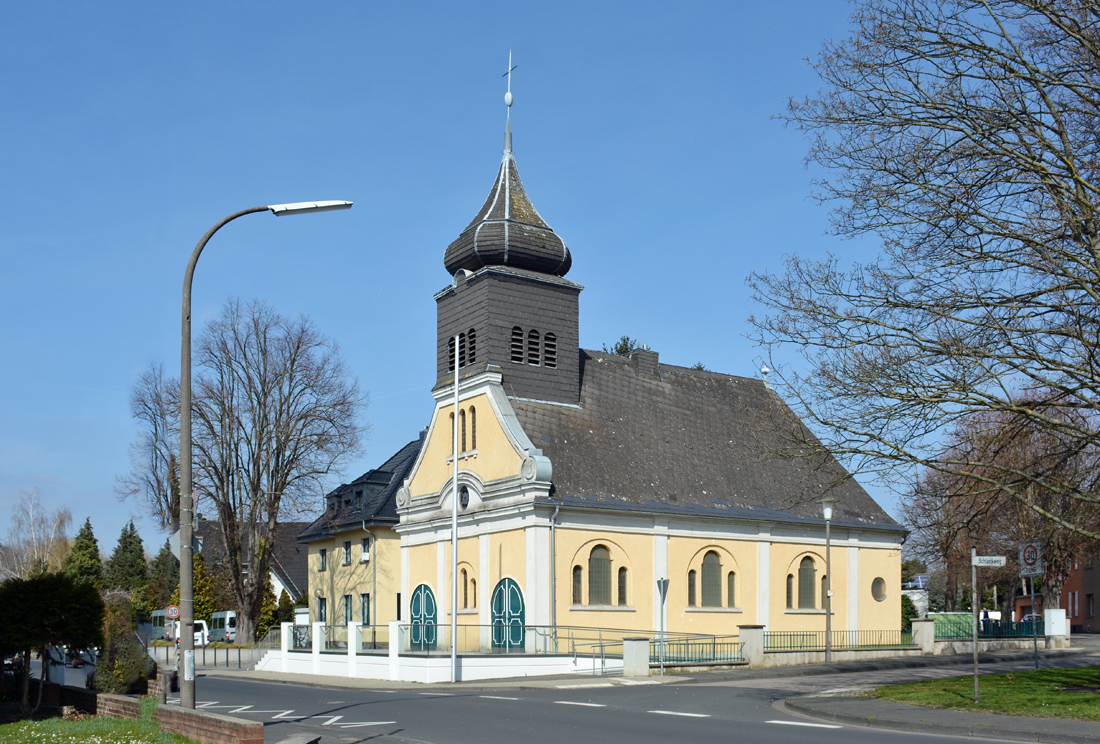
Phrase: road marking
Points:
(284, 714)
(366, 723)
(208, 704)
(438, 694)
(579, 687)
(586, 705)
(243, 707)
(803, 723)
(678, 713)
(496, 697)
(331, 719)
(638, 682)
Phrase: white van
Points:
(162, 626)
(223, 626)
(202, 633)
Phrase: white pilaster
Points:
(483, 617)
(404, 579)
(660, 571)
(442, 586)
(537, 591)
(764, 576)
(852, 590)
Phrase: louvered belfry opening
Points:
(550, 350)
(517, 345)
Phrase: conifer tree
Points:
(285, 613)
(126, 569)
(164, 573)
(202, 590)
(268, 612)
(83, 563)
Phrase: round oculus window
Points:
(464, 497)
(878, 589)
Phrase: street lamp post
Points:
(187, 501)
(827, 511)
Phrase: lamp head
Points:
(302, 207)
(317, 593)
(827, 507)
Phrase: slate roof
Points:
(379, 487)
(655, 437)
(289, 561)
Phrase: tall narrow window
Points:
(462, 429)
(517, 345)
(347, 552)
(712, 580)
(473, 592)
(533, 347)
(691, 588)
(364, 609)
(806, 584)
(599, 576)
(790, 591)
(823, 591)
(473, 428)
(347, 609)
(578, 585)
(731, 589)
(364, 549)
(358, 499)
(550, 350)
(398, 605)
(322, 610)
(465, 590)
(622, 586)
(451, 354)
(452, 432)
(461, 350)
(471, 347)
(322, 559)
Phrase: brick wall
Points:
(118, 706)
(208, 728)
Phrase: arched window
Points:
(691, 588)
(473, 428)
(451, 354)
(824, 590)
(517, 345)
(806, 584)
(452, 432)
(465, 591)
(471, 346)
(578, 585)
(533, 347)
(473, 592)
(790, 591)
(461, 350)
(550, 350)
(712, 580)
(731, 589)
(462, 429)
(622, 586)
(599, 576)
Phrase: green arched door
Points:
(507, 615)
(422, 622)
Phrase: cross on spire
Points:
(508, 103)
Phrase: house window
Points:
(878, 589)
(578, 585)
(399, 605)
(790, 591)
(712, 580)
(517, 345)
(347, 609)
(1090, 604)
(691, 588)
(473, 428)
(824, 591)
(347, 552)
(473, 593)
(622, 586)
(599, 576)
(731, 589)
(364, 609)
(550, 350)
(322, 610)
(465, 590)
(471, 347)
(358, 499)
(322, 559)
(462, 429)
(533, 347)
(452, 432)
(806, 584)
(364, 549)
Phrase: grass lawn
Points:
(1045, 693)
(92, 730)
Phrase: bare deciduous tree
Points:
(963, 134)
(275, 412)
(37, 541)
(154, 475)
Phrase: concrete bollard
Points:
(635, 657)
(318, 641)
(924, 635)
(286, 634)
(752, 636)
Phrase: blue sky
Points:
(644, 133)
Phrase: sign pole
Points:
(974, 611)
(1034, 625)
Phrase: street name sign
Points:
(988, 561)
(1031, 558)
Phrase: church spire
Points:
(508, 103)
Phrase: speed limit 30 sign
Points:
(173, 612)
(1031, 558)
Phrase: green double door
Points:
(423, 631)
(507, 616)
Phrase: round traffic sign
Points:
(1031, 555)
(173, 612)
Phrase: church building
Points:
(585, 477)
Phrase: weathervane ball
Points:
(508, 98)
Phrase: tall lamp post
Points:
(187, 498)
(827, 511)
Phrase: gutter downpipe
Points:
(554, 581)
(374, 584)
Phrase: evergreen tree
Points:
(285, 613)
(202, 589)
(267, 612)
(83, 563)
(164, 573)
(126, 569)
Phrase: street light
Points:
(187, 606)
(827, 511)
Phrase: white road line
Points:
(284, 714)
(243, 707)
(208, 704)
(437, 694)
(638, 682)
(586, 705)
(331, 719)
(803, 723)
(496, 697)
(678, 713)
(365, 723)
(580, 687)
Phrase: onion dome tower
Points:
(509, 304)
